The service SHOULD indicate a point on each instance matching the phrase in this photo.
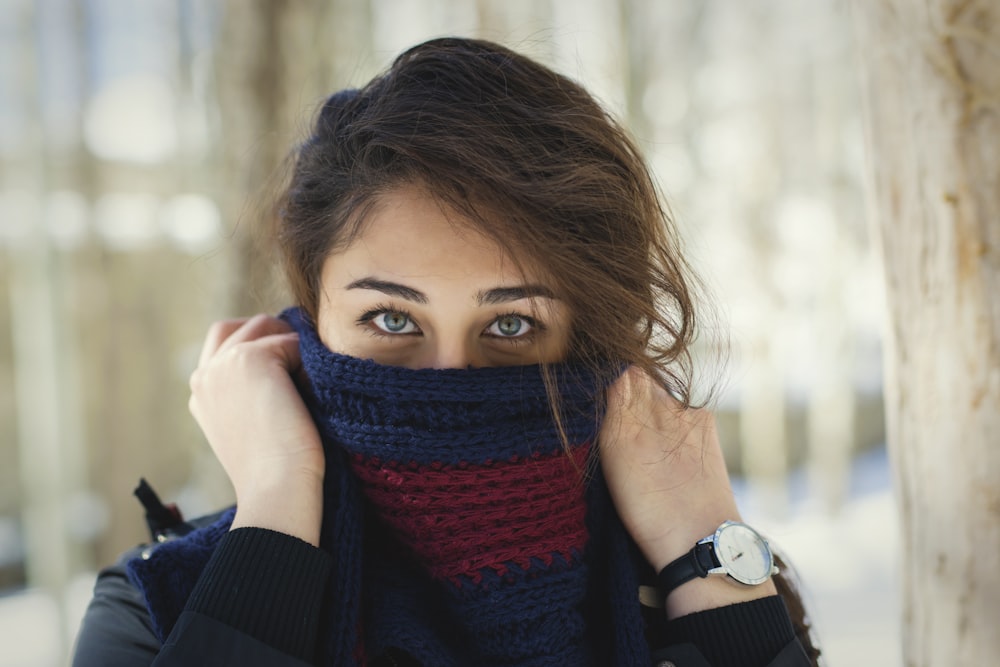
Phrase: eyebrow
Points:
(497, 295)
(389, 288)
(488, 297)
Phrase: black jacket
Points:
(275, 622)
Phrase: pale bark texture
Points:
(932, 82)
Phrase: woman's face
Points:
(421, 289)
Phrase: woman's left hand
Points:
(668, 479)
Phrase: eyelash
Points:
(380, 309)
(536, 328)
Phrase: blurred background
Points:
(140, 143)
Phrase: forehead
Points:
(410, 234)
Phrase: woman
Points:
(472, 442)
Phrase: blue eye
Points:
(509, 326)
(394, 322)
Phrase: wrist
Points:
(711, 593)
(732, 564)
(679, 540)
(290, 504)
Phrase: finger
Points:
(216, 336)
(629, 405)
(286, 347)
(281, 347)
(258, 326)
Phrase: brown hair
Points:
(533, 162)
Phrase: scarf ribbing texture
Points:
(462, 530)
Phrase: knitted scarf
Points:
(461, 529)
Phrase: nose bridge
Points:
(453, 352)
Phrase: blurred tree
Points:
(273, 64)
(276, 62)
(932, 77)
(47, 416)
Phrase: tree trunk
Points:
(276, 63)
(932, 81)
(48, 426)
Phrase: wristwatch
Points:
(735, 550)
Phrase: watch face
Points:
(743, 553)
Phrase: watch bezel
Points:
(725, 568)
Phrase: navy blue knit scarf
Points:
(462, 530)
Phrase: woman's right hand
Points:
(244, 398)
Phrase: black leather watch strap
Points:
(695, 563)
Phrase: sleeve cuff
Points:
(268, 585)
(749, 633)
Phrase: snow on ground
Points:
(35, 631)
(847, 564)
(849, 575)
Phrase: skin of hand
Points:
(668, 480)
(244, 398)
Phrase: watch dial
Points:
(743, 553)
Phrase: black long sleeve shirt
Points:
(260, 598)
